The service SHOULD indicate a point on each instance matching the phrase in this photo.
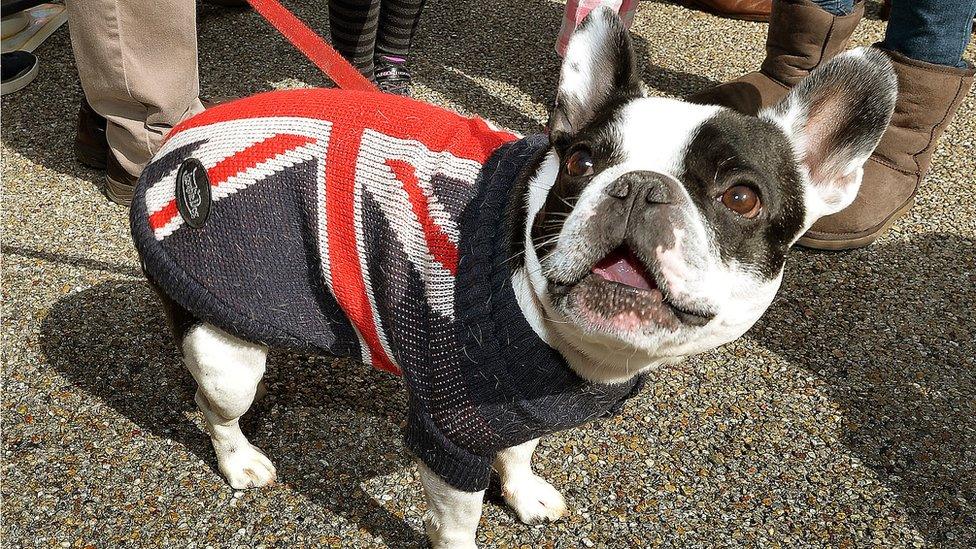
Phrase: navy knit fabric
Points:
(412, 274)
(519, 387)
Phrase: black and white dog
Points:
(647, 230)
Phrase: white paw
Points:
(442, 536)
(534, 500)
(246, 467)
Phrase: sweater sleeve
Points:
(455, 465)
(448, 425)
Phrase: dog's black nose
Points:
(651, 187)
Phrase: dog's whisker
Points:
(566, 202)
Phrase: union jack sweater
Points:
(369, 226)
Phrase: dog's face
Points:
(658, 228)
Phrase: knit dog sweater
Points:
(369, 226)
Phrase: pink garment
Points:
(576, 11)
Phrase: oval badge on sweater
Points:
(193, 193)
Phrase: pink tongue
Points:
(622, 267)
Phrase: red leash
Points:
(317, 50)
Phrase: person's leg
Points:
(836, 7)
(352, 25)
(930, 31)
(576, 10)
(802, 36)
(398, 24)
(925, 41)
(137, 62)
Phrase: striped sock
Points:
(352, 25)
(397, 25)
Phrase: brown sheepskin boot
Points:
(928, 96)
(746, 10)
(801, 37)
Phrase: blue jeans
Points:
(836, 7)
(934, 31)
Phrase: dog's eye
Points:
(743, 200)
(580, 163)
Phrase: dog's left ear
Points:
(835, 118)
(598, 69)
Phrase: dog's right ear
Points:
(598, 69)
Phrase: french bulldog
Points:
(519, 292)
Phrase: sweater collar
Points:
(498, 337)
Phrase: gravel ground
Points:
(845, 418)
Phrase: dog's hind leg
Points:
(228, 371)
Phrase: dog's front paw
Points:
(534, 500)
(444, 536)
(246, 467)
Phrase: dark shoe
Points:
(928, 97)
(747, 10)
(17, 69)
(119, 184)
(392, 75)
(91, 147)
(801, 37)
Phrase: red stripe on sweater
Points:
(348, 284)
(440, 246)
(234, 164)
(160, 218)
(257, 153)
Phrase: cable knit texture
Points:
(374, 227)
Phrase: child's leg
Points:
(577, 10)
(398, 24)
(352, 24)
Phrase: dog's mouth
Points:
(621, 294)
(623, 267)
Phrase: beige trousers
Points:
(137, 61)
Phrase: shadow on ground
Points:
(512, 42)
(908, 396)
(112, 342)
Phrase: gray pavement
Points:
(845, 418)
